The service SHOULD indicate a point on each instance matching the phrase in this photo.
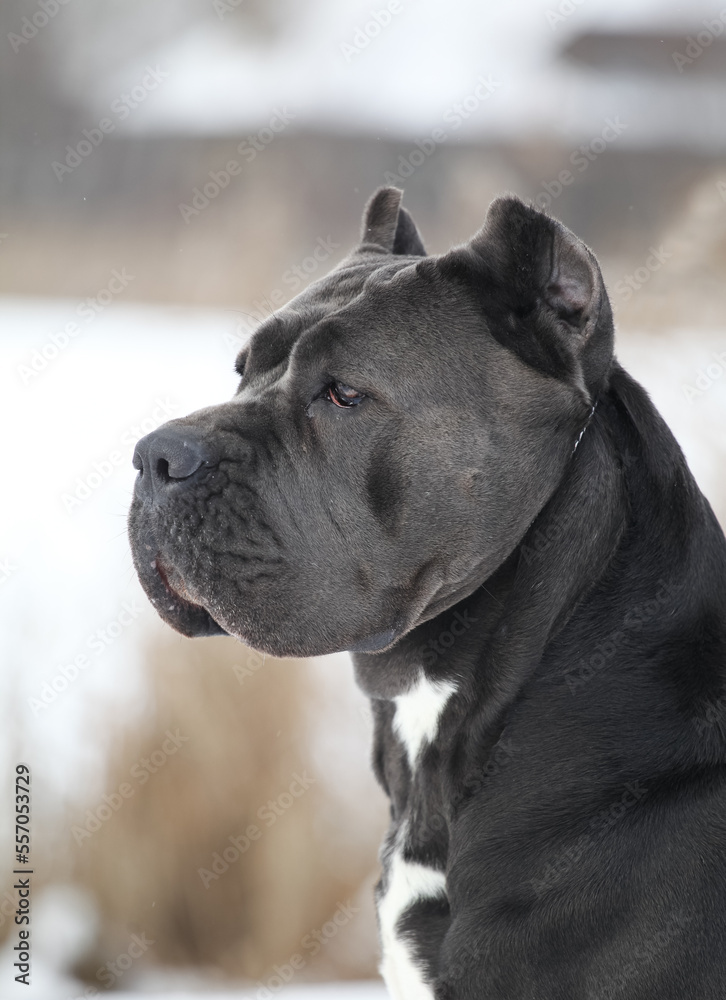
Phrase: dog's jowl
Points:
(438, 464)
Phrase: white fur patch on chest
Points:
(418, 711)
(407, 882)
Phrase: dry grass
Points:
(244, 744)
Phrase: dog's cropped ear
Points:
(541, 290)
(542, 260)
(388, 225)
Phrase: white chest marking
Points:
(418, 712)
(407, 883)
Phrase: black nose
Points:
(170, 454)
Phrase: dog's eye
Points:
(343, 395)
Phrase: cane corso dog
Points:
(436, 463)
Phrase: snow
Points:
(318, 991)
(62, 927)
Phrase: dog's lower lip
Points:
(158, 566)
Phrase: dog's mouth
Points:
(170, 595)
(179, 591)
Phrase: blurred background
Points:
(170, 173)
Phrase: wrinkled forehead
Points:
(358, 275)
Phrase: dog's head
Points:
(396, 429)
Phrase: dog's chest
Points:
(414, 853)
(418, 713)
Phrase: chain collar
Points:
(587, 424)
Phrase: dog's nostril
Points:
(169, 455)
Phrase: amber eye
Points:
(343, 395)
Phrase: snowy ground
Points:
(66, 571)
(322, 991)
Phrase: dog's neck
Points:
(521, 607)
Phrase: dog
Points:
(437, 463)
